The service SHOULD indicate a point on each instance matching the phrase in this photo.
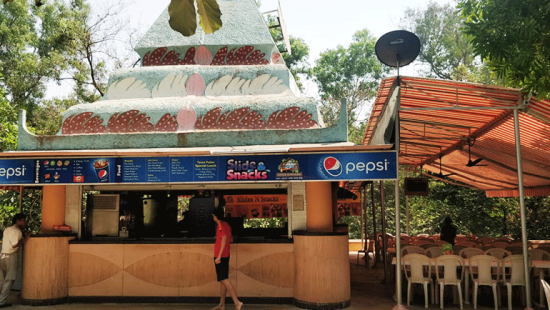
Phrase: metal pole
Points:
(376, 245)
(20, 199)
(384, 237)
(362, 193)
(397, 211)
(407, 214)
(522, 213)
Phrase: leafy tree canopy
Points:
(514, 38)
(352, 73)
(446, 50)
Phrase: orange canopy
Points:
(441, 119)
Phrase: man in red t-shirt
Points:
(221, 258)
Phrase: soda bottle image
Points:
(102, 170)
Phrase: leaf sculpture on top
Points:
(183, 16)
(291, 118)
(83, 123)
(129, 121)
(241, 118)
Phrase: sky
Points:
(322, 24)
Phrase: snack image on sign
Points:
(66, 163)
(102, 170)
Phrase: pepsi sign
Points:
(332, 166)
(358, 166)
(17, 171)
(196, 169)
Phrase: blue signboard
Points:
(17, 171)
(242, 168)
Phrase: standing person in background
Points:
(448, 231)
(221, 258)
(12, 242)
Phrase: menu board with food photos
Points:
(193, 169)
(256, 206)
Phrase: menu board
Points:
(242, 168)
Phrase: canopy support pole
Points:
(522, 213)
(376, 244)
(398, 285)
(384, 236)
(407, 214)
(21, 199)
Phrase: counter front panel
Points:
(184, 270)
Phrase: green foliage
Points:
(275, 222)
(512, 37)
(352, 73)
(446, 50)
(183, 16)
(49, 116)
(8, 124)
(296, 62)
(31, 201)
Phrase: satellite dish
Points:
(397, 48)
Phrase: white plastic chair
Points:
(499, 253)
(434, 251)
(469, 252)
(484, 275)
(536, 254)
(449, 263)
(515, 275)
(546, 287)
(410, 249)
(457, 248)
(418, 269)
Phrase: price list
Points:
(133, 169)
(157, 169)
(206, 169)
(181, 169)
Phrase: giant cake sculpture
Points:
(228, 88)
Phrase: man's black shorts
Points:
(222, 269)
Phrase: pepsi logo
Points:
(102, 173)
(332, 166)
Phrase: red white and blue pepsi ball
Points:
(332, 166)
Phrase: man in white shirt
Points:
(11, 249)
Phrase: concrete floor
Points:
(367, 293)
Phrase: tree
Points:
(297, 61)
(59, 42)
(352, 73)
(512, 37)
(8, 124)
(445, 49)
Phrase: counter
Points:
(322, 278)
(177, 269)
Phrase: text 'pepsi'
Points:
(367, 167)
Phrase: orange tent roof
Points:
(441, 119)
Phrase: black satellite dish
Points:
(397, 48)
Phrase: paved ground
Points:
(367, 293)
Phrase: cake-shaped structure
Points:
(228, 88)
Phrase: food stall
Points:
(134, 178)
